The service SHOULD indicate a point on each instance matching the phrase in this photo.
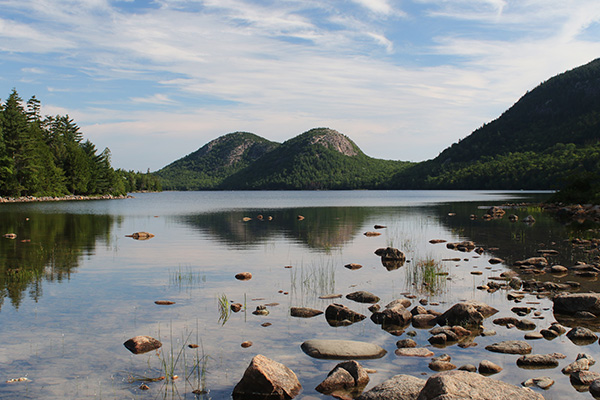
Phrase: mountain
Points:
(208, 166)
(550, 134)
(321, 158)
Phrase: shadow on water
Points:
(322, 228)
(46, 247)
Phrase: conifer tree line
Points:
(48, 156)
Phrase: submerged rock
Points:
(265, 378)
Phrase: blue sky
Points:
(156, 80)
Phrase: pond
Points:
(74, 287)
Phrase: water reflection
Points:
(46, 247)
(322, 228)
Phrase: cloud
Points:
(377, 73)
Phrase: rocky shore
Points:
(33, 199)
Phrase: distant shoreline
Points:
(33, 199)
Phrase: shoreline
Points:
(33, 199)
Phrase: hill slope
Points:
(208, 166)
(549, 134)
(318, 159)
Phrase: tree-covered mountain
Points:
(207, 167)
(321, 158)
(49, 157)
(550, 134)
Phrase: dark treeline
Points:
(48, 156)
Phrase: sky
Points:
(154, 80)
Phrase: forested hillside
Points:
(207, 167)
(48, 156)
(550, 135)
(318, 159)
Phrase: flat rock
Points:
(362, 297)
(267, 377)
(414, 352)
(304, 312)
(462, 385)
(342, 349)
(243, 276)
(510, 347)
(542, 382)
(537, 361)
(440, 365)
(533, 336)
(398, 387)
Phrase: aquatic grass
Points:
(224, 308)
(175, 366)
(313, 280)
(427, 276)
(186, 278)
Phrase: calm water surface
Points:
(73, 288)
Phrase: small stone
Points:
(441, 366)
(372, 234)
(353, 266)
(406, 343)
(243, 276)
(246, 344)
(362, 297)
(164, 302)
(143, 386)
(304, 312)
(543, 382)
(533, 335)
(414, 352)
(487, 367)
(142, 344)
(468, 367)
(582, 336)
(330, 296)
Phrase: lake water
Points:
(73, 287)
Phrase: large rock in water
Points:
(342, 349)
(267, 379)
(399, 387)
(345, 381)
(142, 344)
(339, 315)
(469, 313)
(462, 385)
(569, 304)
